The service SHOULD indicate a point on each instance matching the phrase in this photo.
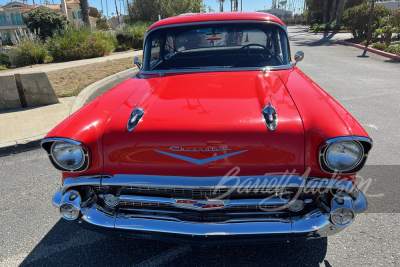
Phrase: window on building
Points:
(14, 22)
(79, 15)
(3, 19)
(19, 19)
(74, 15)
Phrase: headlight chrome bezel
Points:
(48, 144)
(364, 143)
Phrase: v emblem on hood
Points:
(199, 161)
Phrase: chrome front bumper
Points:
(314, 224)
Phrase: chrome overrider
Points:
(319, 222)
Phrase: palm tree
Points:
(116, 9)
(84, 5)
(221, 5)
(325, 14)
(340, 12)
(333, 11)
(107, 8)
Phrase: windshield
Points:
(216, 46)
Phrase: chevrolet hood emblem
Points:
(199, 161)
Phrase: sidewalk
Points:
(70, 64)
(20, 126)
(22, 129)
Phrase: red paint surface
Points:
(206, 110)
(323, 117)
(216, 16)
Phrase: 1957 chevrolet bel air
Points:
(218, 139)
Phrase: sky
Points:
(248, 5)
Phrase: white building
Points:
(393, 5)
(280, 13)
(12, 13)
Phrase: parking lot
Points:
(367, 85)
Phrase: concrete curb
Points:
(372, 50)
(21, 145)
(87, 92)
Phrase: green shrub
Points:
(379, 46)
(125, 39)
(393, 49)
(132, 35)
(102, 25)
(365, 42)
(316, 27)
(5, 59)
(356, 18)
(74, 43)
(28, 50)
(44, 21)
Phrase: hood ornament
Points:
(270, 116)
(136, 116)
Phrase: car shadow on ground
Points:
(66, 244)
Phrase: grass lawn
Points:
(69, 82)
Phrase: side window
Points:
(155, 48)
(74, 15)
(79, 15)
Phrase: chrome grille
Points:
(196, 193)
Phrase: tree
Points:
(94, 12)
(333, 11)
(326, 12)
(221, 5)
(340, 11)
(116, 9)
(148, 10)
(44, 21)
(85, 11)
(129, 10)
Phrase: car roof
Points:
(216, 16)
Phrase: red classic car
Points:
(218, 139)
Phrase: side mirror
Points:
(138, 62)
(298, 57)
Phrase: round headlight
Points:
(343, 155)
(67, 155)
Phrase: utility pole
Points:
(371, 16)
(241, 5)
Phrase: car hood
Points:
(206, 124)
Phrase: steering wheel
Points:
(248, 50)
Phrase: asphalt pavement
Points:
(367, 85)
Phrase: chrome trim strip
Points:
(93, 180)
(202, 229)
(289, 66)
(134, 180)
(54, 139)
(256, 202)
(228, 203)
(263, 69)
(143, 199)
(347, 186)
(155, 181)
(310, 223)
